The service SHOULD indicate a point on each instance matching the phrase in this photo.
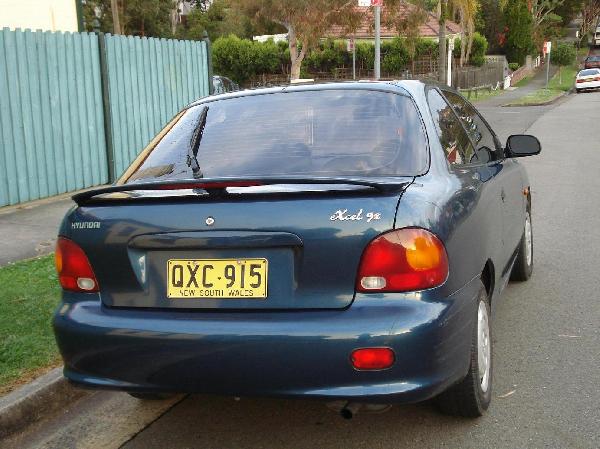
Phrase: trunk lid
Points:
(145, 252)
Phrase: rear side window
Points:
(454, 139)
(309, 133)
(481, 136)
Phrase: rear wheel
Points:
(523, 266)
(472, 395)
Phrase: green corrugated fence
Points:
(51, 119)
(149, 81)
(53, 135)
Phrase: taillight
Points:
(74, 270)
(372, 358)
(403, 260)
(580, 81)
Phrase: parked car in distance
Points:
(222, 85)
(346, 241)
(597, 37)
(592, 62)
(587, 79)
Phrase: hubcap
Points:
(528, 240)
(483, 346)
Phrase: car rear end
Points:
(265, 261)
(592, 62)
(587, 79)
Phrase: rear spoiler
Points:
(212, 186)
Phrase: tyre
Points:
(523, 266)
(471, 396)
(151, 396)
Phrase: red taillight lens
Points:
(580, 81)
(372, 358)
(74, 270)
(403, 260)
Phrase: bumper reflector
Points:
(372, 358)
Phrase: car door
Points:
(507, 173)
(476, 205)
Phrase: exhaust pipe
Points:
(350, 409)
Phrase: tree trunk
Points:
(469, 45)
(114, 7)
(295, 57)
(463, 40)
(442, 43)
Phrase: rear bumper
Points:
(295, 353)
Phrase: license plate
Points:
(217, 278)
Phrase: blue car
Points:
(347, 242)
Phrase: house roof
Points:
(429, 29)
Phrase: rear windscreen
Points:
(307, 133)
(589, 72)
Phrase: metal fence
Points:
(149, 81)
(51, 119)
(76, 108)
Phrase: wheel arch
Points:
(488, 278)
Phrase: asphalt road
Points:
(546, 337)
(546, 332)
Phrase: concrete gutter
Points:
(35, 401)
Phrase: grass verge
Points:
(484, 95)
(557, 86)
(29, 293)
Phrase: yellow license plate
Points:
(217, 278)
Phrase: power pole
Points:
(114, 7)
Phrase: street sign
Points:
(350, 45)
(547, 47)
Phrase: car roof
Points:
(406, 87)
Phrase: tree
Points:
(589, 12)
(519, 41)
(540, 9)
(466, 11)
(137, 17)
(562, 54)
(305, 21)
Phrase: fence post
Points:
(110, 152)
(206, 39)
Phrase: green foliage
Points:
(240, 59)
(218, 20)
(395, 56)
(150, 18)
(563, 54)
(519, 41)
(513, 66)
(478, 49)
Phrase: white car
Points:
(587, 79)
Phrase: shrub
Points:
(513, 66)
(478, 50)
(394, 56)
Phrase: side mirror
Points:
(521, 145)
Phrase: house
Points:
(46, 15)
(428, 30)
